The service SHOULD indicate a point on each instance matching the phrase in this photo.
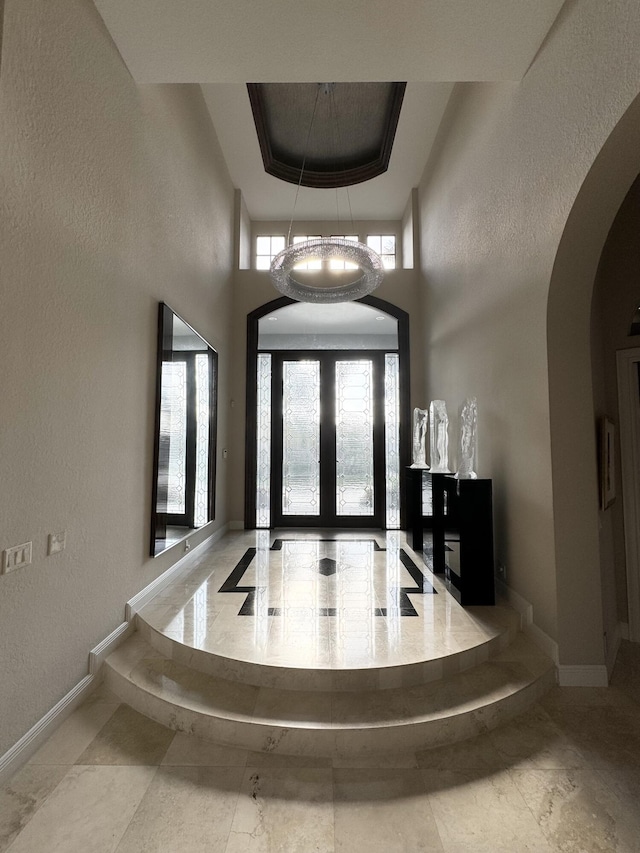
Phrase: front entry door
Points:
(328, 439)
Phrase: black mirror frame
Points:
(165, 353)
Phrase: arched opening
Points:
(616, 357)
(352, 346)
(582, 630)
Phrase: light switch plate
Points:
(16, 557)
(57, 542)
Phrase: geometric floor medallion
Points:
(347, 577)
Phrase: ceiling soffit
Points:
(326, 135)
(432, 44)
(227, 41)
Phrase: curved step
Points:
(499, 624)
(329, 722)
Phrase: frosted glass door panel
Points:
(173, 432)
(354, 438)
(203, 417)
(263, 467)
(392, 439)
(301, 438)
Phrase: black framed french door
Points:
(328, 439)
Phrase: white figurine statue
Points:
(468, 439)
(439, 427)
(420, 422)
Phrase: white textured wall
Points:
(242, 232)
(113, 197)
(1, 23)
(495, 199)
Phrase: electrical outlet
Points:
(16, 557)
(501, 571)
(57, 542)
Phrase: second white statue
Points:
(439, 437)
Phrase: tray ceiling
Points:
(328, 134)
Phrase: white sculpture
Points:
(439, 430)
(420, 422)
(468, 439)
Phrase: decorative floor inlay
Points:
(353, 560)
(318, 599)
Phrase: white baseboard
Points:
(569, 675)
(22, 751)
(108, 645)
(515, 600)
(589, 675)
(151, 590)
(543, 641)
(528, 626)
(613, 645)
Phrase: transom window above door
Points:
(267, 246)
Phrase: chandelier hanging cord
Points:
(336, 151)
(338, 141)
(332, 119)
(304, 162)
(325, 248)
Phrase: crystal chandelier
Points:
(327, 250)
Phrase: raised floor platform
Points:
(324, 642)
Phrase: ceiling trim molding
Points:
(326, 178)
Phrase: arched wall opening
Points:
(579, 569)
(272, 306)
(615, 346)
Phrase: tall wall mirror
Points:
(185, 436)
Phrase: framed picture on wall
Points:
(607, 463)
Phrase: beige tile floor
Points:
(563, 777)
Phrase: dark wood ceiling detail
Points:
(351, 134)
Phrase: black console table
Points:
(461, 529)
(417, 519)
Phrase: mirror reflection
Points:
(185, 439)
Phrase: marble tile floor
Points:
(564, 776)
(329, 722)
(323, 643)
(324, 600)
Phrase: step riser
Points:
(348, 680)
(331, 741)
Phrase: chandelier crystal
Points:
(325, 290)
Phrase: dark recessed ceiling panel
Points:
(342, 132)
